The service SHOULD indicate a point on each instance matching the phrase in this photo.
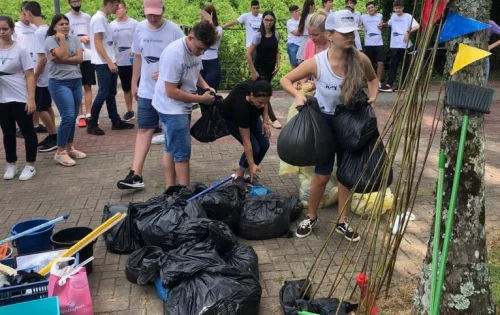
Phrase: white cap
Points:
(341, 21)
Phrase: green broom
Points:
(469, 98)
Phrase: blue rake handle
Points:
(214, 186)
(34, 229)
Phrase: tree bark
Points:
(467, 285)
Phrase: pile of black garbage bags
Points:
(307, 140)
(192, 245)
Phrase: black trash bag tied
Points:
(144, 265)
(306, 139)
(211, 126)
(123, 238)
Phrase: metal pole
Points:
(57, 6)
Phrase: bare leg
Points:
(128, 101)
(344, 193)
(169, 167)
(88, 98)
(142, 146)
(36, 119)
(48, 121)
(182, 172)
(318, 186)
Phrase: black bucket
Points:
(69, 237)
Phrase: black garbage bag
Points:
(292, 301)
(264, 217)
(180, 194)
(219, 290)
(356, 124)
(224, 204)
(295, 206)
(243, 257)
(123, 238)
(144, 265)
(213, 234)
(211, 126)
(158, 220)
(306, 139)
(352, 165)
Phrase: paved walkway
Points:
(84, 189)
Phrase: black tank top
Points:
(267, 50)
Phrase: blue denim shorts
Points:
(147, 116)
(177, 135)
(292, 50)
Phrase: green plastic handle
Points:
(306, 313)
(451, 213)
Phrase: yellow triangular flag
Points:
(467, 55)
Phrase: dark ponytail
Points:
(56, 19)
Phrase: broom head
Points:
(468, 96)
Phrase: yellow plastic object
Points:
(368, 201)
(467, 55)
(285, 168)
(87, 240)
(330, 196)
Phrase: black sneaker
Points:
(132, 181)
(347, 231)
(95, 130)
(157, 130)
(386, 88)
(44, 141)
(129, 116)
(305, 227)
(41, 129)
(49, 145)
(122, 126)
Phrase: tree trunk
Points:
(467, 285)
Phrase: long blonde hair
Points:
(318, 19)
(353, 78)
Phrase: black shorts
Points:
(125, 74)
(88, 73)
(43, 100)
(375, 53)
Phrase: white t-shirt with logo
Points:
(399, 26)
(373, 35)
(123, 33)
(292, 25)
(99, 24)
(79, 25)
(40, 36)
(13, 62)
(25, 36)
(150, 43)
(179, 66)
(252, 25)
(213, 52)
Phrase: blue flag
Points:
(457, 25)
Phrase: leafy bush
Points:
(186, 13)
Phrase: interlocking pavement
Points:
(83, 190)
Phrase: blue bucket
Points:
(38, 241)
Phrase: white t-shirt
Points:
(99, 24)
(123, 33)
(80, 26)
(292, 25)
(177, 65)
(213, 52)
(150, 44)
(399, 26)
(13, 62)
(25, 36)
(40, 35)
(357, 39)
(373, 35)
(252, 25)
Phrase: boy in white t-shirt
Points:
(357, 19)
(252, 21)
(79, 23)
(104, 60)
(402, 25)
(175, 93)
(374, 44)
(294, 36)
(123, 28)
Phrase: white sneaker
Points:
(27, 173)
(10, 171)
(159, 139)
